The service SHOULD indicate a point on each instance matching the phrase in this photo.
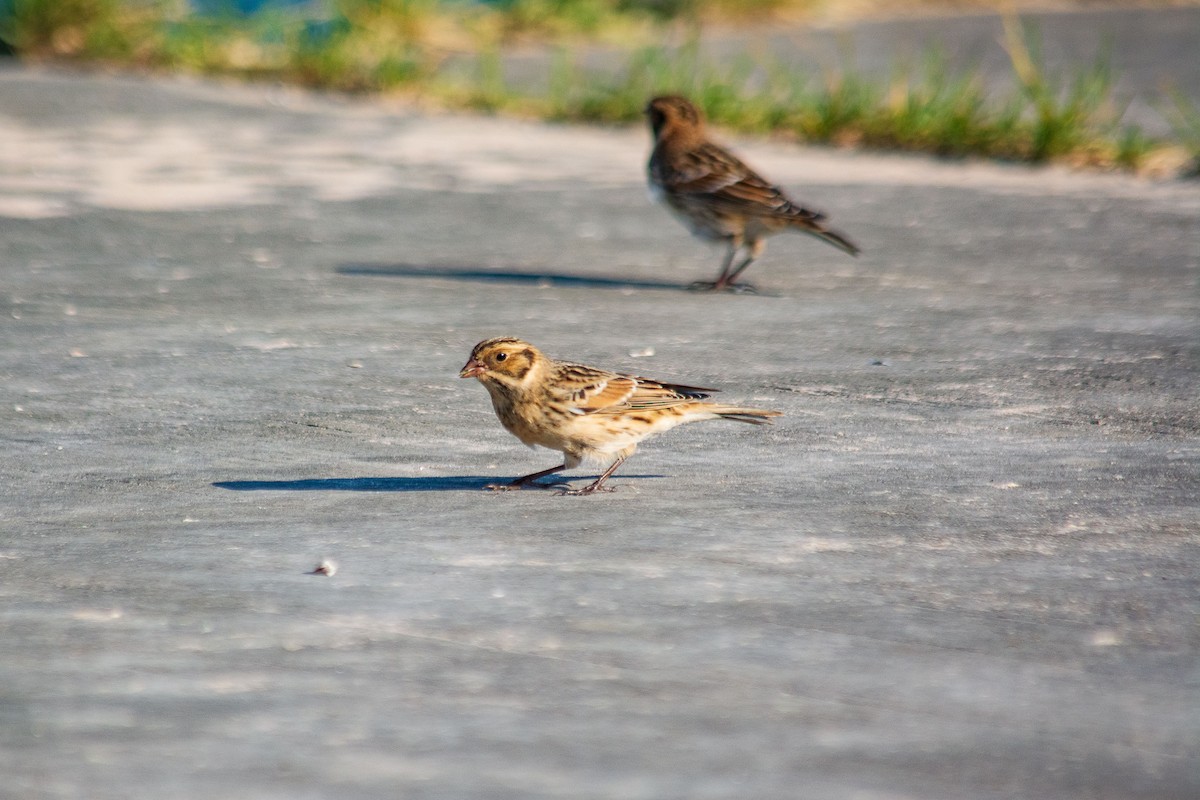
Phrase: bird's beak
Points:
(472, 369)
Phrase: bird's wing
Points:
(724, 180)
(650, 393)
(587, 390)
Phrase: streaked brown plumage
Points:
(588, 414)
(717, 196)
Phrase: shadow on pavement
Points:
(431, 483)
(504, 276)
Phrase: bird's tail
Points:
(755, 416)
(813, 222)
(828, 235)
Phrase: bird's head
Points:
(504, 359)
(672, 111)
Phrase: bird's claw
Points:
(718, 286)
(585, 490)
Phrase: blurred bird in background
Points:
(717, 196)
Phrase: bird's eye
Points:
(501, 356)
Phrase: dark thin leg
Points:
(727, 281)
(528, 481)
(596, 487)
(721, 281)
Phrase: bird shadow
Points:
(519, 277)
(429, 483)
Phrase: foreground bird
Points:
(590, 415)
(717, 196)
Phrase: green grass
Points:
(93, 29)
(931, 109)
(402, 45)
(1185, 120)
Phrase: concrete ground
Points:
(963, 565)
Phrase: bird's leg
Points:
(726, 281)
(721, 282)
(597, 486)
(528, 481)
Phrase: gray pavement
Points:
(963, 565)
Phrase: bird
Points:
(717, 196)
(590, 415)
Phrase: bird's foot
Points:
(723, 286)
(589, 489)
